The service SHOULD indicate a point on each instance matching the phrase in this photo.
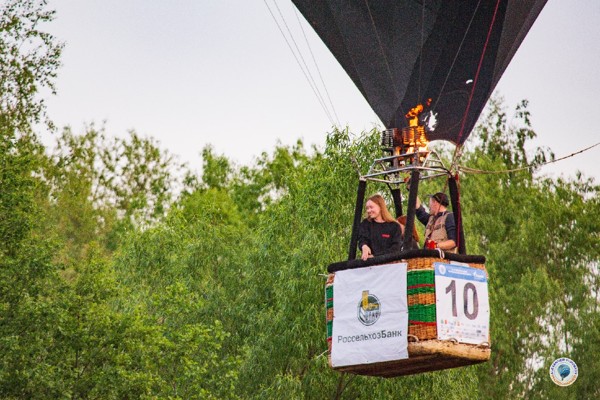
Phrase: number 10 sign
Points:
(462, 305)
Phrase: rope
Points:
(506, 171)
(459, 213)
(356, 166)
(317, 67)
(322, 354)
(456, 56)
(421, 49)
(382, 52)
(475, 79)
(440, 252)
(310, 80)
(414, 337)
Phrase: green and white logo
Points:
(369, 308)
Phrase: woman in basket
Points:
(379, 233)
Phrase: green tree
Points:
(253, 187)
(29, 60)
(541, 239)
(131, 175)
(101, 187)
(298, 235)
(113, 286)
(189, 273)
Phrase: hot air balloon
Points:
(427, 69)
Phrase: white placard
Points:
(462, 304)
(370, 315)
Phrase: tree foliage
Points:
(540, 236)
(29, 61)
(124, 275)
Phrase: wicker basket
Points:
(329, 309)
(426, 353)
(421, 298)
(425, 356)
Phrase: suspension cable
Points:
(306, 75)
(530, 166)
(421, 50)
(476, 78)
(383, 53)
(301, 57)
(317, 67)
(437, 98)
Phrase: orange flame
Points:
(413, 114)
(414, 136)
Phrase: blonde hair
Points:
(380, 201)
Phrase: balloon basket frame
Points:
(425, 351)
(424, 356)
(394, 169)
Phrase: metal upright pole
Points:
(397, 196)
(360, 197)
(455, 200)
(411, 212)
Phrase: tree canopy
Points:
(123, 274)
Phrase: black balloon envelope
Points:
(401, 53)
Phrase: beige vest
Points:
(436, 230)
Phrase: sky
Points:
(190, 73)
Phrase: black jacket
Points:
(381, 237)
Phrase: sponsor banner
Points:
(370, 320)
(462, 304)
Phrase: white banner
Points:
(462, 304)
(370, 320)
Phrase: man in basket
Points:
(440, 228)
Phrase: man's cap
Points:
(441, 198)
